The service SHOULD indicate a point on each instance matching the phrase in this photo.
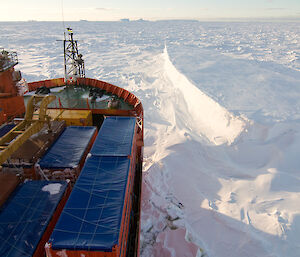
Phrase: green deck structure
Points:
(77, 97)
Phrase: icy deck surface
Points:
(222, 125)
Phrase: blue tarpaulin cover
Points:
(25, 216)
(6, 128)
(91, 218)
(115, 137)
(69, 148)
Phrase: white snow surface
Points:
(222, 125)
(53, 188)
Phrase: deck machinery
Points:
(11, 100)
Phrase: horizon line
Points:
(283, 18)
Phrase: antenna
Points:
(63, 17)
(73, 62)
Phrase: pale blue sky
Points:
(19, 10)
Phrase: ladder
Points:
(10, 142)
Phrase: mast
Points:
(73, 62)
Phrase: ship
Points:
(71, 155)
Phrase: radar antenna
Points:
(74, 64)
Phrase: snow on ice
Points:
(222, 125)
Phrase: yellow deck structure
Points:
(72, 117)
(29, 126)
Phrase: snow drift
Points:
(202, 114)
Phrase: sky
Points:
(100, 10)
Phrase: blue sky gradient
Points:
(19, 10)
